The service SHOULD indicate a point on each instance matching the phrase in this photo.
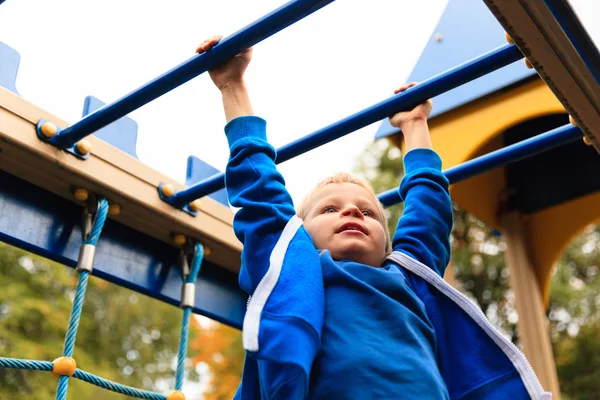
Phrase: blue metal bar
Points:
(257, 31)
(498, 158)
(429, 88)
(580, 39)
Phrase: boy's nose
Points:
(353, 211)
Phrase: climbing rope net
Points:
(65, 366)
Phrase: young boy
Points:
(333, 313)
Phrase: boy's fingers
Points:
(404, 87)
(208, 43)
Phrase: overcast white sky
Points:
(343, 58)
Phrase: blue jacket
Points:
(286, 326)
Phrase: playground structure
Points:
(52, 171)
(539, 203)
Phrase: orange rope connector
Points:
(63, 366)
(176, 395)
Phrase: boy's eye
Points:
(368, 213)
(329, 209)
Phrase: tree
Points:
(574, 317)
(480, 272)
(123, 336)
(220, 348)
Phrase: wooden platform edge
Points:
(541, 39)
(113, 174)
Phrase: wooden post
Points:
(532, 323)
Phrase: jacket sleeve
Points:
(286, 310)
(258, 189)
(423, 231)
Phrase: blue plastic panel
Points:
(9, 66)
(45, 224)
(198, 170)
(467, 29)
(122, 133)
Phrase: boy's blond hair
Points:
(343, 177)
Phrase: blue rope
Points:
(61, 393)
(196, 263)
(75, 314)
(32, 365)
(63, 383)
(116, 387)
(185, 326)
(98, 222)
(187, 312)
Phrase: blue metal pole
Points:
(429, 88)
(498, 158)
(257, 31)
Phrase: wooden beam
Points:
(532, 323)
(113, 174)
(546, 45)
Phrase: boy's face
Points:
(342, 218)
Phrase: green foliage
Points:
(480, 273)
(574, 316)
(123, 336)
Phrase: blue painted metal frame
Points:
(169, 200)
(578, 36)
(467, 28)
(70, 149)
(257, 31)
(46, 224)
(431, 87)
(509, 154)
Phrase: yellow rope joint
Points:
(63, 366)
(176, 395)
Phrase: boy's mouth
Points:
(353, 227)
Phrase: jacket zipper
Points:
(468, 305)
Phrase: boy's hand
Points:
(413, 123)
(232, 71)
(418, 114)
